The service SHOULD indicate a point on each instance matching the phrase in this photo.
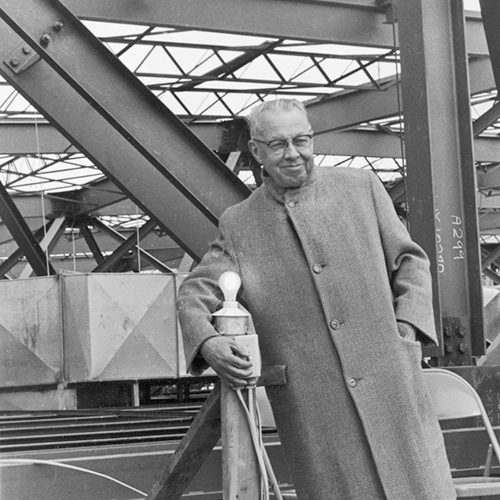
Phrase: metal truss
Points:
(209, 68)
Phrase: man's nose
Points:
(291, 151)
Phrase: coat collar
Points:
(284, 194)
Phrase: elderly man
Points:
(338, 293)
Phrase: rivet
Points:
(26, 50)
(14, 62)
(448, 349)
(462, 347)
(45, 39)
(58, 25)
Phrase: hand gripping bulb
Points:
(234, 321)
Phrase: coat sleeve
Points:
(407, 266)
(199, 296)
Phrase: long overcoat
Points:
(327, 270)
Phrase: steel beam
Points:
(50, 238)
(490, 10)
(353, 108)
(490, 258)
(92, 243)
(127, 245)
(157, 264)
(17, 255)
(441, 178)
(358, 22)
(20, 138)
(129, 167)
(145, 122)
(23, 235)
(486, 119)
(30, 138)
(489, 179)
(348, 142)
(342, 22)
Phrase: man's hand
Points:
(407, 331)
(228, 360)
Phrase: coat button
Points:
(334, 324)
(317, 268)
(291, 204)
(352, 382)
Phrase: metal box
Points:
(120, 327)
(30, 332)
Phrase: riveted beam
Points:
(441, 178)
(127, 162)
(50, 29)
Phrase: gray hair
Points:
(254, 118)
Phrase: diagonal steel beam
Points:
(490, 10)
(17, 255)
(118, 237)
(23, 235)
(145, 122)
(127, 245)
(231, 66)
(48, 242)
(485, 120)
(490, 258)
(125, 164)
(352, 108)
(92, 243)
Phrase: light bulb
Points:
(229, 283)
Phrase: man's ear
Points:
(254, 149)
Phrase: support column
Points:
(441, 176)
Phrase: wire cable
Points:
(260, 451)
(10, 461)
(255, 440)
(42, 200)
(270, 470)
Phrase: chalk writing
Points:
(458, 237)
(439, 243)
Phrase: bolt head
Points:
(45, 39)
(14, 62)
(26, 50)
(58, 25)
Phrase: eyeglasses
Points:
(279, 146)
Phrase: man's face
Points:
(291, 167)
